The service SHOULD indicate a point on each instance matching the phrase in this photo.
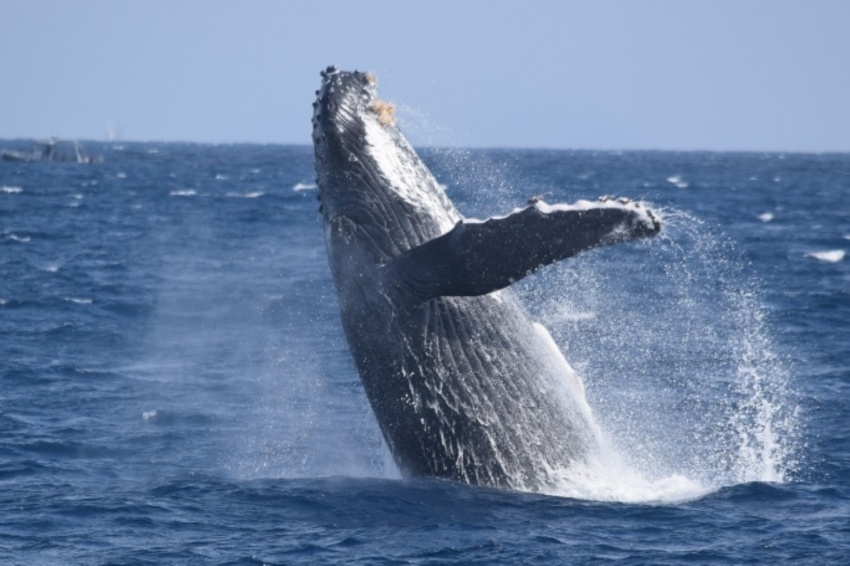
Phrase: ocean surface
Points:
(175, 387)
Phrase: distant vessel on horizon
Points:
(46, 151)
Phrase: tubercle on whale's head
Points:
(342, 96)
(343, 102)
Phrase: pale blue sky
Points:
(600, 74)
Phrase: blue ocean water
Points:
(176, 387)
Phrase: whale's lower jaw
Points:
(463, 383)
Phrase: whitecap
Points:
(77, 300)
(148, 415)
(252, 194)
(11, 190)
(16, 238)
(765, 216)
(831, 256)
(678, 181)
(304, 187)
(121, 175)
(220, 177)
(183, 193)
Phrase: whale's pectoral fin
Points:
(476, 258)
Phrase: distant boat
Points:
(46, 151)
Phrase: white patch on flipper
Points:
(578, 206)
(582, 205)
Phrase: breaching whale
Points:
(464, 385)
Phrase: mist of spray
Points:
(672, 341)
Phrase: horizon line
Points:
(442, 147)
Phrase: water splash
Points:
(672, 341)
(765, 421)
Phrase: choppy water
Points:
(176, 387)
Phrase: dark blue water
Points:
(176, 387)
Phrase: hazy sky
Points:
(596, 74)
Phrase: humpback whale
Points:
(463, 384)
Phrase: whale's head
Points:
(371, 182)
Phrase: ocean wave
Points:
(677, 181)
(176, 380)
(829, 256)
(252, 194)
